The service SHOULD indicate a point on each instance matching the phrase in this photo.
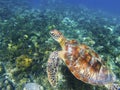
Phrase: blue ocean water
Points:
(109, 6)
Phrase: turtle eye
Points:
(52, 34)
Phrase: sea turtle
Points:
(83, 62)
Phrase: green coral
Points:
(11, 47)
(51, 27)
(23, 62)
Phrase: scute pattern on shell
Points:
(85, 64)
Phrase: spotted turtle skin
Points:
(83, 62)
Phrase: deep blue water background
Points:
(110, 6)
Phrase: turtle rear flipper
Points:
(52, 68)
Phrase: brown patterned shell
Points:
(85, 64)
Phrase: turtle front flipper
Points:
(52, 68)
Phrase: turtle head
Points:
(56, 35)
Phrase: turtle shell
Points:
(85, 64)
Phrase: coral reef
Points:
(69, 23)
(23, 62)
